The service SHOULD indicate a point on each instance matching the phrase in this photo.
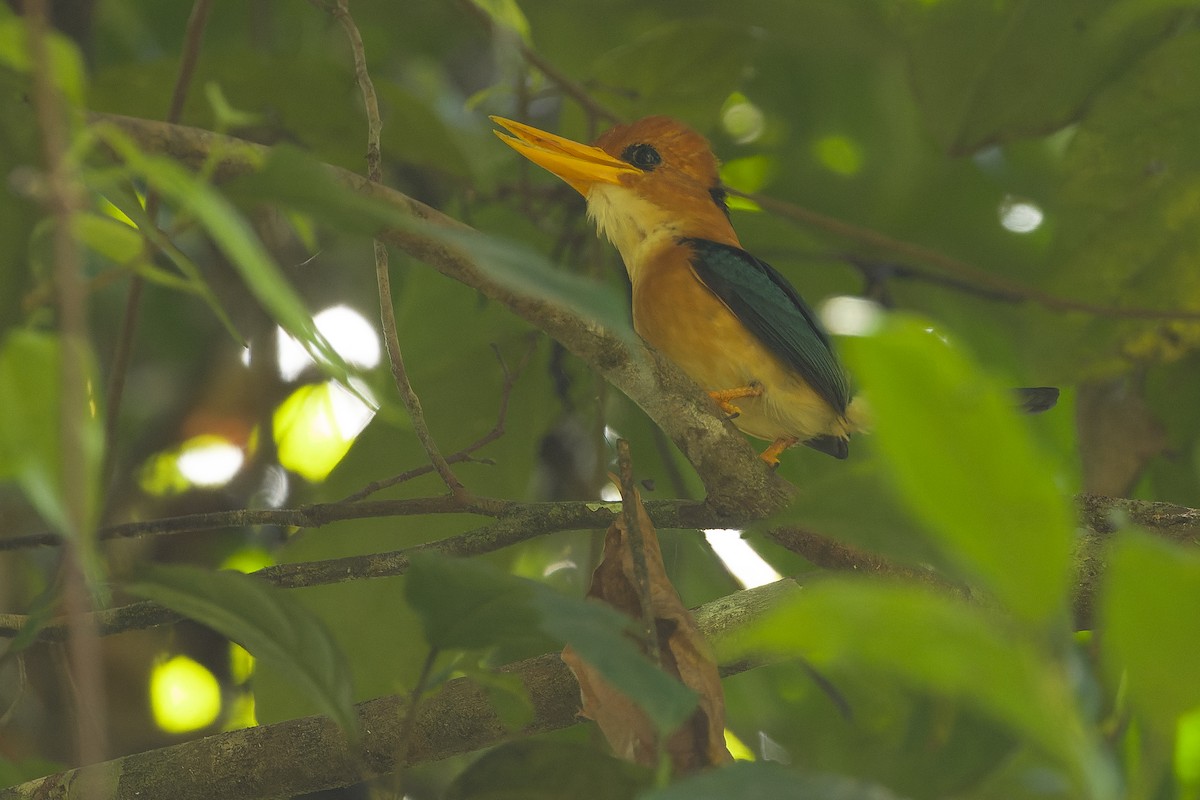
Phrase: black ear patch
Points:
(642, 156)
(717, 193)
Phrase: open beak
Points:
(580, 165)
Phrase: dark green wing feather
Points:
(771, 309)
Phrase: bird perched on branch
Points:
(728, 319)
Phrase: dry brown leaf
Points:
(700, 741)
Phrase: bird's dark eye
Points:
(642, 156)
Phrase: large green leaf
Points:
(1149, 609)
(986, 72)
(291, 178)
(236, 240)
(938, 645)
(268, 622)
(966, 465)
(467, 605)
(1128, 233)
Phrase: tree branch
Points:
(311, 753)
(738, 483)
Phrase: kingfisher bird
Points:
(729, 320)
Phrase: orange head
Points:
(646, 183)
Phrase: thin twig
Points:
(466, 453)
(957, 268)
(520, 524)
(575, 91)
(64, 198)
(123, 352)
(309, 516)
(409, 726)
(408, 395)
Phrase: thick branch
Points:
(738, 483)
(309, 754)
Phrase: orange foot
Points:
(753, 389)
(771, 454)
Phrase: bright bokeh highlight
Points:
(1020, 216)
(348, 333)
(851, 316)
(316, 424)
(746, 565)
(742, 120)
(184, 695)
(207, 461)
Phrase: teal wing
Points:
(772, 310)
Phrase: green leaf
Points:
(547, 770)
(292, 178)
(979, 69)
(465, 604)
(1149, 607)
(939, 645)
(66, 63)
(267, 622)
(31, 428)
(527, 272)
(598, 634)
(764, 780)
(1127, 229)
(966, 465)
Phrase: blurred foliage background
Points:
(1022, 177)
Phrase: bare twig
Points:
(123, 352)
(965, 273)
(466, 453)
(64, 198)
(575, 91)
(521, 523)
(408, 395)
(409, 725)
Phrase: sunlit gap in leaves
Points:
(347, 331)
(316, 425)
(1020, 216)
(184, 695)
(747, 567)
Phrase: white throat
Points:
(637, 227)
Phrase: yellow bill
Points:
(580, 165)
